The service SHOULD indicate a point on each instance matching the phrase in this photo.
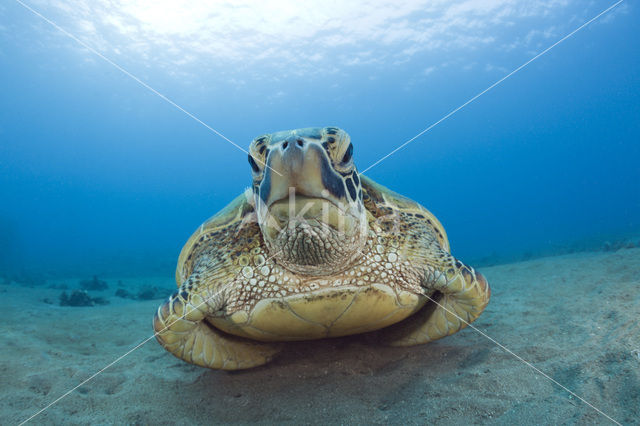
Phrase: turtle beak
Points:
(303, 167)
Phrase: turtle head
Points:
(308, 199)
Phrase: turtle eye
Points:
(348, 154)
(254, 166)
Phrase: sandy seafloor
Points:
(575, 317)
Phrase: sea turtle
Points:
(313, 250)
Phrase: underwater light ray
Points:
(138, 80)
(492, 86)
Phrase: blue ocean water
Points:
(109, 162)
(100, 175)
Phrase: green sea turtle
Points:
(313, 250)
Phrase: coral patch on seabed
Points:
(80, 298)
(94, 284)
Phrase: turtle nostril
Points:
(285, 145)
(300, 143)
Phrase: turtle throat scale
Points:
(316, 248)
(322, 241)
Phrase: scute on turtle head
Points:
(308, 200)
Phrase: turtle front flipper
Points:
(181, 328)
(458, 295)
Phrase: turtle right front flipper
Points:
(181, 329)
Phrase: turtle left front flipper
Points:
(456, 293)
(457, 296)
